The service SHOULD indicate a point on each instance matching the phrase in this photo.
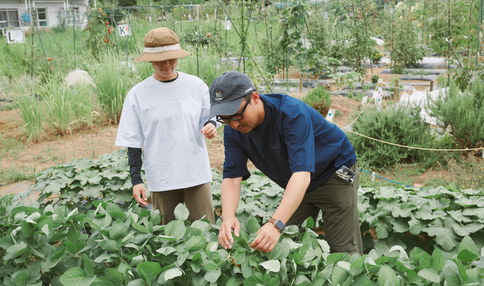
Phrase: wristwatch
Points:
(278, 224)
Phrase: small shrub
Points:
(463, 113)
(374, 78)
(320, 99)
(397, 125)
(376, 55)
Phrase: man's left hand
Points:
(267, 238)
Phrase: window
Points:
(9, 17)
(42, 17)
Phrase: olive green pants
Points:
(338, 199)
(198, 200)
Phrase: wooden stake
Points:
(300, 85)
(431, 85)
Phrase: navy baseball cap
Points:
(227, 92)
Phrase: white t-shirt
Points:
(165, 119)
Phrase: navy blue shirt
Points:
(293, 137)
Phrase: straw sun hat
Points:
(161, 44)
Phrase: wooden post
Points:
(431, 85)
(395, 91)
(300, 85)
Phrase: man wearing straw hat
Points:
(297, 148)
(167, 116)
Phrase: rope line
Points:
(411, 147)
(389, 180)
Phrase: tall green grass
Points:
(31, 110)
(113, 80)
(67, 108)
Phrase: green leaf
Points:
(196, 243)
(175, 228)
(338, 276)
(387, 276)
(137, 282)
(280, 251)
(6, 242)
(88, 265)
(464, 230)
(452, 276)
(467, 250)
(149, 271)
(335, 257)
(21, 279)
(462, 270)
(252, 225)
(235, 281)
(109, 245)
(166, 250)
(254, 279)
(73, 248)
(76, 277)
(181, 212)
(271, 265)
(438, 260)
(172, 273)
(117, 230)
(443, 232)
(16, 250)
(357, 267)
(429, 275)
(213, 275)
(140, 228)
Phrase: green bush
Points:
(376, 55)
(374, 78)
(463, 114)
(320, 99)
(399, 125)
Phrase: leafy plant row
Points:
(107, 245)
(90, 232)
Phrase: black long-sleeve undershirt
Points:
(135, 162)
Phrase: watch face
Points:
(280, 225)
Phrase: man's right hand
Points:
(139, 194)
(225, 234)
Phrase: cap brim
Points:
(163, 56)
(225, 108)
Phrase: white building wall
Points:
(55, 11)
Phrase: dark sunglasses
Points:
(235, 117)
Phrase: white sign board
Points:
(124, 30)
(15, 36)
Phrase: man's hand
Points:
(267, 238)
(139, 194)
(225, 234)
(209, 131)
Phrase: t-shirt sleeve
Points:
(130, 132)
(298, 134)
(235, 164)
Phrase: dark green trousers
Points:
(338, 199)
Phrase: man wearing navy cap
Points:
(297, 148)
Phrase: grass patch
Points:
(16, 174)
